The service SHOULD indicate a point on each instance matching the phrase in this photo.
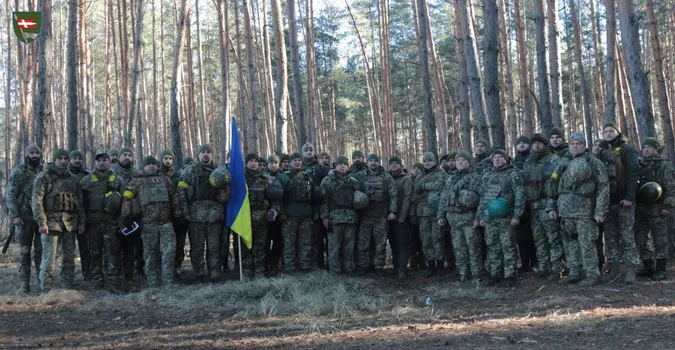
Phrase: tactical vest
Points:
(375, 189)
(301, 188)
(533, 185)
(343, 195)
(25, 196)
(153, 190)
(60, 195)
(616, 171)
(578, 178)
(98, 190)
(203, 189)
(497, 185)
(256, 193)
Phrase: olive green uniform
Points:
(297, 229)
(258, 182)
(82, 240)
(339, 209)
(428, 188)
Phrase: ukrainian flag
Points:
(238, 207)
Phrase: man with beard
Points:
(132, 245)
(59, 213)
(263, 163)
(264, 194)
(623, 171)
(481, 160)
(526, 248)
(537, 172)
(101, 192)
(556, 142)
(167, 159)
(357, 162)
(522, 151)
(597, 147)
(399, 232)
(205, 213)
(324, 159)
(502, 202)
(275, 243)
(19, 191)
(114, 155)
(76, 168)
(428, 188)
(316, 172)
(382, 207)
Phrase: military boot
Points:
(614, 272)
(660, 273)
(440, 267)
(630, 275)
(25, 287)
(589, 282)
(647, 268)
(431, 268)
(490, 281)
(570, 279)
(554, 276)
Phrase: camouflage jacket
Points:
(624, 173)
(404, 186)
(329, 210)
(89, 184)
(157, 198)
(381, 191)
(582, 188)
(298, 192)
(502, 182)
(356, 167)
(57, 200)
(482, 163)
(450, 207)
(520, 159)
(172, 174)
(317, 173)
(428, 188)
(126, 174)
(659, 170)
(80, 173)
(258, 183)
(205, 203)
(20, 190)
(536, 172)
(561, 151)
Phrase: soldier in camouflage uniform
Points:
(502, 202)
(416, 255)
(399, 233)
(264, 208)
(579, 194)
(358, 163)
(75, 167)
(159, 205)
(597, 147)
(339, 217)
(180, 227)
(382, 207)
(205, 213)
(428, 188)
(101, 194)
(275, 242)
(458, 203)
(19, 192)
(524, 237)
(623, 171)
(132, 245)
(285, 162)
(296, 215)
(481, 161)
(114, 155)
(324, 159)
(59, 213)
(652, 217)
(556, 142)
(316, 171)
(546, 231)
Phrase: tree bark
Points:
(526, 101)
(298, 107)
(203, 126)
(542, 66)
(600, 100)
(464, 104)
(72, 74)
(8, 101)
(175, 83)
(491, 84)
(224, 77)
(43, 111)
(251, 70)
(554, 59)
(134, 84)
(508, 76)
(426, 84)
(582, 75)
(639, 86)
(610, 67)
(281, 87)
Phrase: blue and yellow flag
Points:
(238, 206)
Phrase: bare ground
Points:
(321, 310)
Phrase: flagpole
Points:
(241, 272)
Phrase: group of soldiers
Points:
(561, 208)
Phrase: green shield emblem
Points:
(27, 25)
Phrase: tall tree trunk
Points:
(664, 100)
(251, 70)
(281, 87)
(224, 77)
(438, 87)
(157, 119)
(203, 126)
(175, 83)
(610, 67)
(639, 87)
(464, 104)
(554, 59)
(134, 84)
(72, 74)
(542, 66)
(387, 105)
(426, 84)
(600, 104)
(298, 107)
(107, 130)
(8, 101)
(582, 75)
(43, 111)
(508, 74)
(161, 54)
(473, 70)
(491, 84)
(526, 101)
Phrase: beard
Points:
(34, 162)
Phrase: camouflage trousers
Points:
(159, 251)
(253, 260)
(546, 234)
(28, 238)
(500, 238)
(85, 258)
(618, 231)
(100, 236)
(579, 237)
(433, 242)
(399, 240)
(181, 228)
(466, 244)
(50, 247)
(372, 228)
(651, 236)
(207, 234)
(297, 233)
(112, 262)
(341, 248)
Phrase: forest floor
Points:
(319, 310)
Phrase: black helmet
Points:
(649, 192)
